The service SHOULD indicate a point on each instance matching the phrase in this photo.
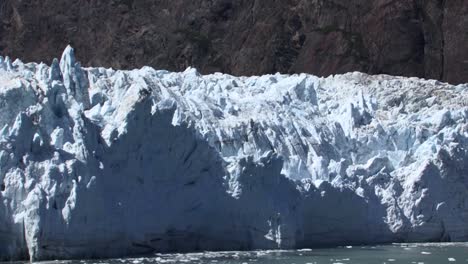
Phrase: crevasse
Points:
(96, 162)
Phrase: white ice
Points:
(96, 162)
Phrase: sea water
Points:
(438, 253)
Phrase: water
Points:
(390, 254)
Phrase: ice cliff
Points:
(96, 162)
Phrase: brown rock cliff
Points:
(424, 38)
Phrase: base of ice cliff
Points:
(99, 163)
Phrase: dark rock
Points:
(424, 38)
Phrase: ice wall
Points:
(98, 163)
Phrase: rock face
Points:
(98, 163)
(423, 38)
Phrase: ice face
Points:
(96, 162)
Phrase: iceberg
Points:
(98, 162)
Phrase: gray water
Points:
(391, 254)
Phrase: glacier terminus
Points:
(98, 162)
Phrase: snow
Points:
(96, 162)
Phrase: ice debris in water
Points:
(100, 162)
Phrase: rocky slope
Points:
(424, 38)
(97, 163)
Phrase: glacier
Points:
(98, 162)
